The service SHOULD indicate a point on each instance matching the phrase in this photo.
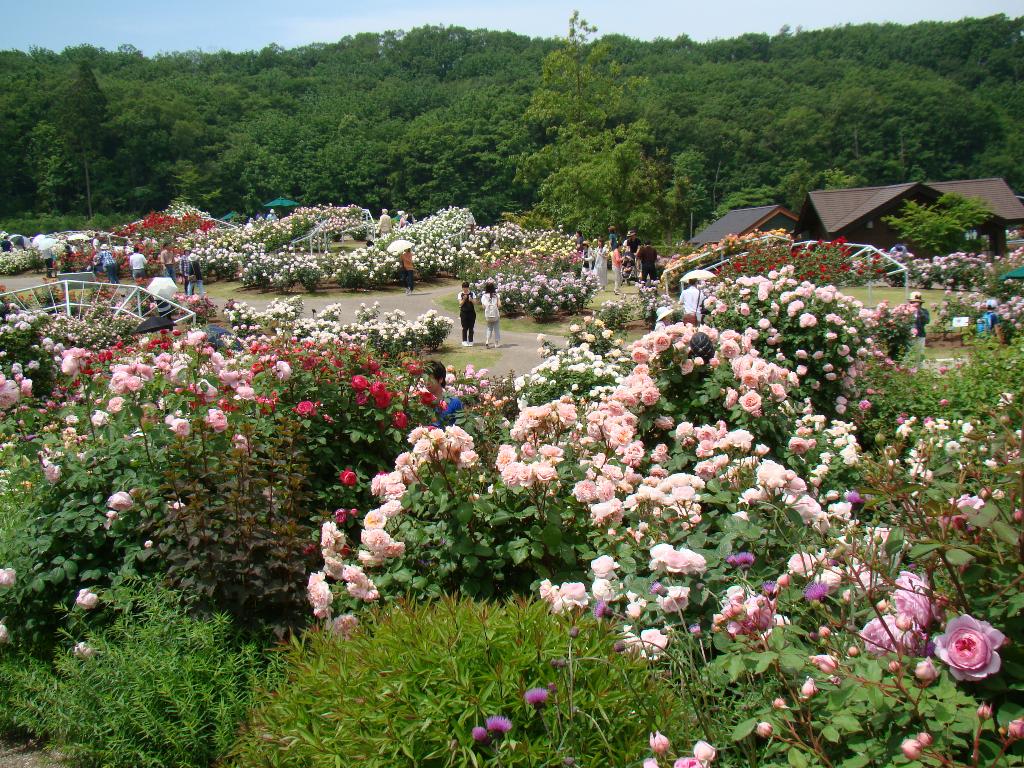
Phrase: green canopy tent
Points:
(229, 216)
(281, 202)
(1016, 274)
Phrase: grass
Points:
(892, 295)
(477, 356)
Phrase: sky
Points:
(238, 25)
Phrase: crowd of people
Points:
(629, 258)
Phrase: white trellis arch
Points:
(75, 296)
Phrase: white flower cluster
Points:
(437, 241)
(20, 260)
(576, 371)
(508, 246)
(284, 269)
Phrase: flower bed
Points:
(541, 296)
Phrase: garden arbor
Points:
(79, 294)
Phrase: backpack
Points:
(490, 306)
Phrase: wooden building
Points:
(742, 221)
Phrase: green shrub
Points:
(409, 686)
(161, 689)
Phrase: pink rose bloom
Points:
(544, 472)
(9, 392)
(878, 636)
(180, 427)
(216, 419)
(51, 472)
(654, 641)
(604, 567)
(120, 501)
(807, 320)
(659, 743)
(7, 577)
(969, 647)
(282, 370)
(318, 592)
(687, 762)
(704, 752)
(86, 599)
(665, 557)
(245, 392)
(913, 598)
(115, 404)
(751, 403)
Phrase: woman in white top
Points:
(491, 303)
(601, 264)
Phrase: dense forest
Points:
(500, 122)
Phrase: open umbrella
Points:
(43, 242)
(399, 246)
(163, 287)
(1016, 274)
(699, 274)
(281, 202)
(76, 237)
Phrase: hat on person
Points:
(105, 247)
(663, 312)
(992, 303)
(401, 213)
(383, 210)
(915, 298)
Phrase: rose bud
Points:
(764, 730)
(925, 739)
(911, 749)
(925, 671)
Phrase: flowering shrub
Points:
(893, 329)
(168, 225)
(20, 260)
(284, 269)
(956, 272)
(541, 296)
(437, 240)
(823, 262)
(615, 314)
(508, 248)
(815, 331)
(26, 355)
(579, 372)
(216, 468)
(204, 307)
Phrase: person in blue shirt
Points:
(447, 410)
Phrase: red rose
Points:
(400, 420)
(382, 400)
(306, 408)
(348, 478)
(359, 383)
(427, 398)
(377, 388)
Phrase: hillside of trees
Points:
(582, 130)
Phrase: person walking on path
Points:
(491, 302)
(617, 269)
(108, 264)
(601, 264)
(408, 271)
(385, 223)
(648, 258)
(921, 320)
(467, 314)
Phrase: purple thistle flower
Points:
(740, 560)
(602, 610)
(854, 498)
(816, 592)
(769, 588)
(536, 697)
(498, 724)
(480, 735)
(694, 629)
(656, 588)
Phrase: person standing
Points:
(648, 258)
(403, 220)
(601, 265)
(108, 264)
(617, 269)
(632, 242)
(195, 275)
(167, 259)
(384, 224)
(137, 263)
(408, 271)
(693, 301)
(491, 302)
(921, 320)
(613, 239)
(467, 314)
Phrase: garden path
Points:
(518, 352)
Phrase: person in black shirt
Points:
(648, 262)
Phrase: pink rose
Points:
(969, 647)
(87, 599)
(687, 762)
(665, 557)
(115, 404)
(120, 501)
(7, 577)
(282, 370)
(704, 752)
(180, 427)
(659, 743)
(216, 419)
(51, 472)
(751, 403)
(913, 598)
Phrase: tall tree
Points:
(83, 112)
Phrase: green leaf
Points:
(744, 729)
(958, 557)
(551, 536)
(796, 758)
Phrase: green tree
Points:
(83, 112)
(942, 226)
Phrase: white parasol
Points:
(699, 274)
(399, 246)
(163, 287)
(75, 237)
(43, 242)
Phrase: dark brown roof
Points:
(995, 192)
(839, 208)
(739, 221)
